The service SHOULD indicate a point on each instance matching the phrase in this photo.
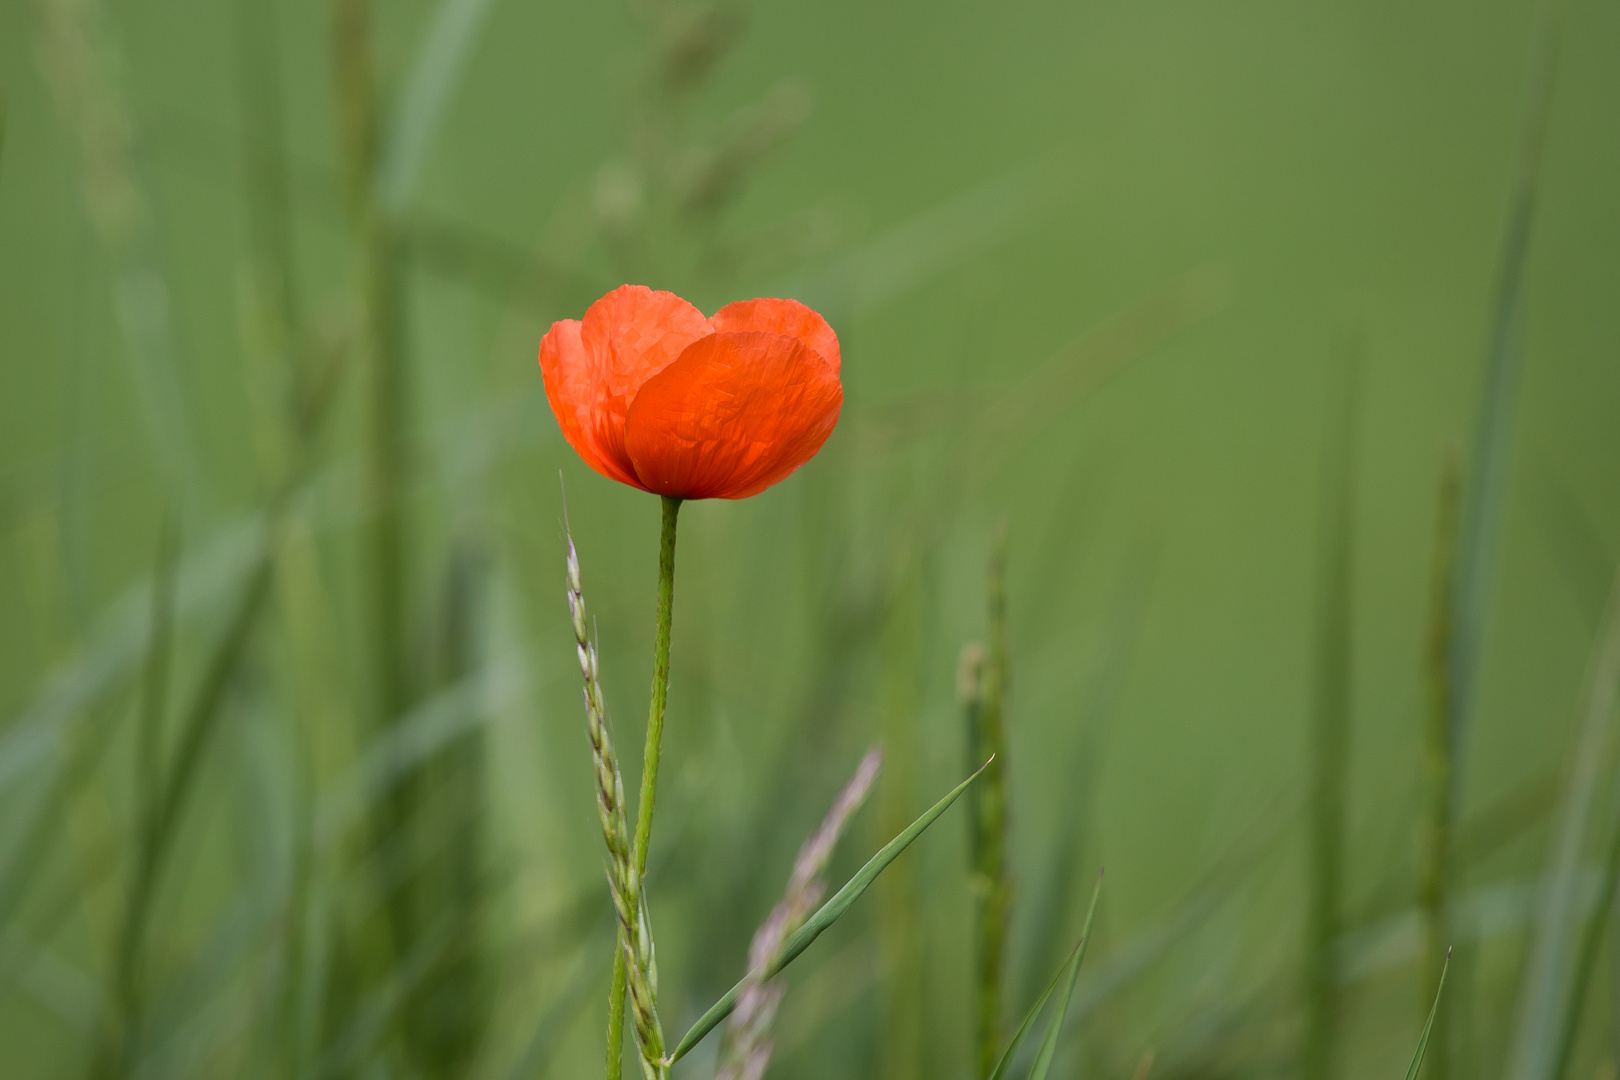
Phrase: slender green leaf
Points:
(1587, 954)
(1544, 993)
(1423, 1041)
(1055, 1025)
(1488, 473)
(445, 49)
(824, 917)
(1330, 722)
(929, 243)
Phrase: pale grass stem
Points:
(748, 1044)
(1435, 832)
(982, 675)
(1330, 721)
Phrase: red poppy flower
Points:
(652, 394)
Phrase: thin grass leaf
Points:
(382, 1003)
(1437, 854)
(1054, 1025)
(1569, 531)
(84, 67)
(1098, 706)
(119, 642)
(824, 917)
(1330, 724)
(1035, 1010)
(1589, 950)
(412, 740)
(1071, 966)
(1487, 487)
(434, 75)
(1423, 1041)
(930, 242)
(159, 826)
(1544, 994)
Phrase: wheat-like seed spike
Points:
(609, 783)
(635, 927)
(641, 966)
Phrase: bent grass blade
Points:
(824, 917)
(1054, 1026)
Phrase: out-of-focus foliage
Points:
(294, 778)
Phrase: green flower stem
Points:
(649, 769)
(660, 685)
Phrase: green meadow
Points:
(1229, 442)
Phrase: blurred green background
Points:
(1193, 299)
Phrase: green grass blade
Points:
(1544, 991)
(1487, 481)
(433, 78)
(1071, 966)
(1423, 1040)
(987, 813)
(824, 917)
(1588, 953)
(1054, 1025)
(1438, 852)
(1331, 708)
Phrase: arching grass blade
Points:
(824, 917)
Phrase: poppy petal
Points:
(567, 373)
(787, 317)
(735, 414)
(630, 335)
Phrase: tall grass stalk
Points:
(162, 818)
(121, 1035)
(1330, 728)
(277, 336)
(381, 302)
(1544, 995)
(386, 466)
(900, 646)
(269, 209)
(1474, 567)
(445, 1020)
(1488, 470)
(983, 676)
(84, 69)
(609, 800)
(1435, 844)
(1586, 956)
